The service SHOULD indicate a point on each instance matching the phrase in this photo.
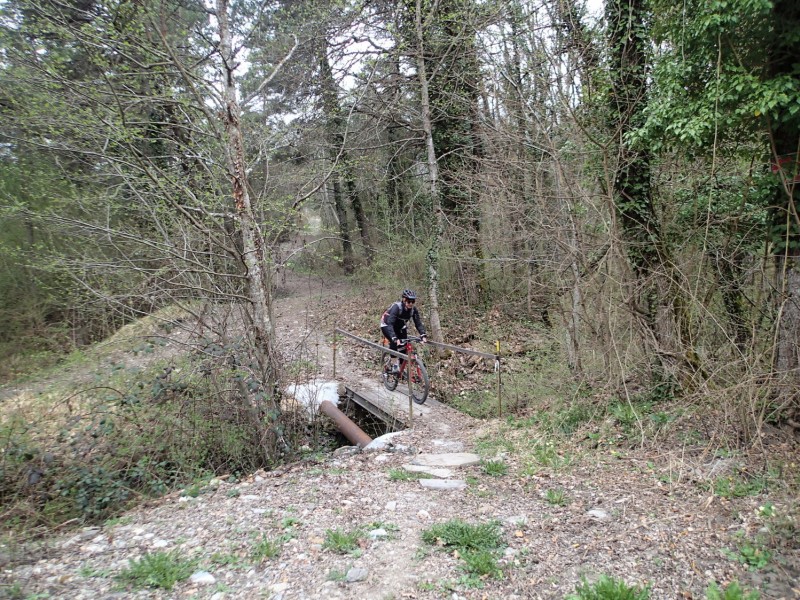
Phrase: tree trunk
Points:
(453, 101)
(433, 181)
(337, 154)
(633, 201)
(358, 210)
(344, 225)
(396, 167)
(254, 254)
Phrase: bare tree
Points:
(254, 254)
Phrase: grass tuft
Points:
(342, 542)
(482, 563)
(608, 588)
(158, 570)
(464, 536)
(556, 497)
(264, 549)
(403, 475)
(495, 468)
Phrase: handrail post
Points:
(497, 368)
(409, 375)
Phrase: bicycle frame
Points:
(420, 383)
(409, 351)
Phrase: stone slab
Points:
(440, 473)
(383, 442)
(453, 459)
(443, 484)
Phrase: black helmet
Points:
(410, 295)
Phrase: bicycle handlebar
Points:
(410, 339)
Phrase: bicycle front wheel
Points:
(420, 383)
(389, 378)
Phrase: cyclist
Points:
(394, 322)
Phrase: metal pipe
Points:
(350, 430)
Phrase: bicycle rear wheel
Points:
(420, 383)
(389, 378)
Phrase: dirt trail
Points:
(620, 516)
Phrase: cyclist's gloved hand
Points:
(424, 338)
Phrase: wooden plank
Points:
(388, 406)
(375, 407)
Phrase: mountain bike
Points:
(420, 383)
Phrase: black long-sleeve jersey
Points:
(397, 317)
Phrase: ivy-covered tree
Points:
(727, 92)
(629, 65)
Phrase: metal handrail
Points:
(464, 350)
(495, 356)
(371, 344)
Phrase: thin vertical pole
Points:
(334, 353)
(497, 369)
(410, 398)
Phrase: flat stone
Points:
(203, 578)
(346, 451)
(383, 442)
(717, 468)
(598, 514)
(378, 533)
(443, 484)
(440, 473)
(356, 574)
(453, 459)
(449, 445)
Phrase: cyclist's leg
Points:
(401, 331)
(387, 333)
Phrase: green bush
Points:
(754, 555)
(482, 563)
(738, 487)
(607, 588)
(137, 434)
(478, 546)
(464, 536)
(568, 420)
(730, 592)
(546, 454)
